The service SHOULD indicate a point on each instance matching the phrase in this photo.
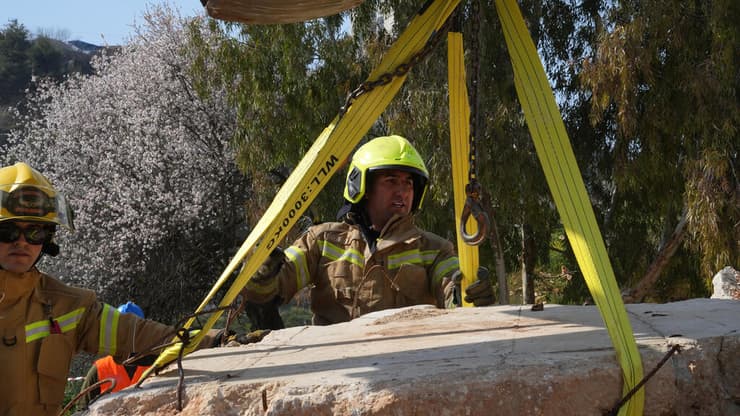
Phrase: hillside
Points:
(25, 59)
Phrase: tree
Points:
(288, 82)
(14, 45)
(663, 77)
(14, 73)
(45, 58)
(147, 164)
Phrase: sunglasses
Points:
(34, 234)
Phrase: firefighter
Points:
(374, 258)
(43, 321)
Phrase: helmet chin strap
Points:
(37, 260)
(51, 248)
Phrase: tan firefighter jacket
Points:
(347, 279)
(43, 323)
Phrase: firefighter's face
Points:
(391, 192)
(18, 256)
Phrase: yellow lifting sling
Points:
(459, 149)
(569, 192)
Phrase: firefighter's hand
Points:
(451, 287)
(480, 292)
(234, 339)
(252, 337)
(263, 285)
(221, 337)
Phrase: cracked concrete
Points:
(472, 361)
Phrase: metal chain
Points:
(399, 71)
(614, 411)
(474, 78)
(473, 189)
(89, 389)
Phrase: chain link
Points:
(400, 70)
(474, 100)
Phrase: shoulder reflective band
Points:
(108, 330)
(333, 146)
(566, 184)
(298, 257)
(460, 149)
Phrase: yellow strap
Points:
(566, 184)
(323, 160)
(459, 149)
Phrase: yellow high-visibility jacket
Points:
(347, 279)
(43, 324)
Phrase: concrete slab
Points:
(493, 360)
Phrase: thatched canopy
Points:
(275, 11)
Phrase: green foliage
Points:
(70, 391)
(286, 83)
(664, 80)
(294, 315)
(14, 71)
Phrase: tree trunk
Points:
(498, 250)
(645, 285)
(529, 255)
(498, 253)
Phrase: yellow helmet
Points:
(386, 152)
(25, 194)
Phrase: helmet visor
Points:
(34, 203)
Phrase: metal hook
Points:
(474, 208)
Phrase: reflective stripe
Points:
(108, 330)
(445, 268)
(41, 329)
(336, 253)
(37, 330)
(422, 258)
(298, 257)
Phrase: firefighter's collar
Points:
(14, 286)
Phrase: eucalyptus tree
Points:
(664, 79)
(148, 166)
(287, 82)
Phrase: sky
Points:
(101, 22)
